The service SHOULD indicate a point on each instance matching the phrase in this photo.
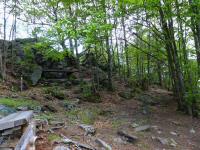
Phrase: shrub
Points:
(86, 116)
(55, 92)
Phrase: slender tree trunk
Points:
(110, 86)
(173, 60)
(71, 46)
(4, 53)
(125, 40)
(195, 26)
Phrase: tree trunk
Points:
(173, 60)
(125, 41)
(195, 26)
(110, 86)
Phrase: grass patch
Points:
(45, 116)
(14, 103)
(86, 116)
(117, 123)
(54, 137)
(55, 92)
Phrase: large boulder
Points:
(36, 75)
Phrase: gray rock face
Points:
(15, 119)
(163, 141)
(119, 140)
(127, 137)
(22, 108)
(36, 75)
(88, 129)
(103, 144)
(142, 128)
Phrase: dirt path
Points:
(117, 114)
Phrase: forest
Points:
(100, 74)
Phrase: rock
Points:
(61, 148)
(69, 141)
(176, 123)
(119, 140)
(126, 94)
(77, 101)
(37, 109)
(154, 127)
(22, 108)
(57, 123)
(36, 75)
(173, 133)
(127, 137)
(134, 125)
(103, 144)
(69, 105)
(40, 124)
(1, 140)
(89, 130)
(15, 119)
(192, 131)
(173, 142)
(48, 108)
(142, 128)
(163, 141)
(159, 132)
(153, 137)
(144, 111)
(14, 96)
(10, 131)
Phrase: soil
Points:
(120, 114)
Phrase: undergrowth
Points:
(14, 103)
(86, 116)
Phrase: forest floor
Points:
(169, 129)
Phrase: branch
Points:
(150, 54)
(35, 23)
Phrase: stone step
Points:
(15, 119)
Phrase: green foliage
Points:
(47, 50)
(86, 116)
(46, 116)
(14, 103)
(86, 89)
(117, 123)
(88, 94)
(161, 39)
(55, 91)
(54, 137)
